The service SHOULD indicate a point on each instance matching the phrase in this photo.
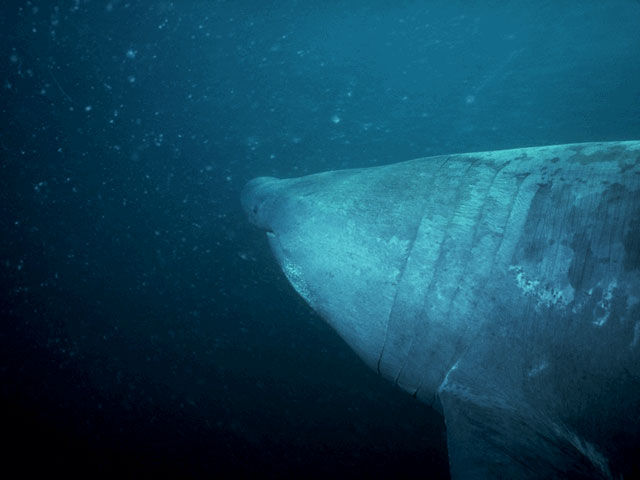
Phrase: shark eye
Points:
(255, 209)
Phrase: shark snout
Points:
(255, 198)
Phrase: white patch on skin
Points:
(394, 247)
(586, 448)
(547, 296)
(446, 377)
(605, 304)
(395, 243)
(524, 284)
(294, 274)
(535, 371)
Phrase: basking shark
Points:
(502, 288)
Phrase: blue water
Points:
(144, 326)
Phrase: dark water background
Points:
(144, 326)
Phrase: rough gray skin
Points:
(503, 288)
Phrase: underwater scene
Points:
(157, 317)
